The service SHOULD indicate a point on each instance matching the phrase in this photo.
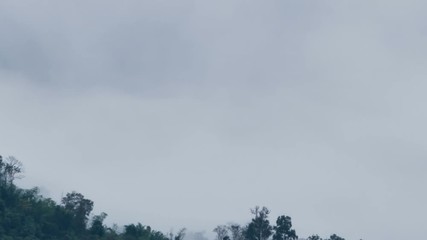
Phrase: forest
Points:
(27, 215)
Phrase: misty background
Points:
(188, 113)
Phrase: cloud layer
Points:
(189, 113)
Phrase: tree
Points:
(259, 228)
(10, 168)
(283, 229)
(221, 232)
(138, 231)
(236, 232)
(335, 237)
(79, 207)
(26, 215)
(156, 235)
(314, 237)
(180, 235)
(97, 227)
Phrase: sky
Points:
(189, 113)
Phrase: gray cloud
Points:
(314, 109)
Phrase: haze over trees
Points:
(26, 215)
(260, 229)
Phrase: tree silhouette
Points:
(259, 228)
(283, 229)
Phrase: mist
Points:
(188, 114)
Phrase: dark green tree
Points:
(97, 226)
(335, 237)
(79, 207)
(10, 168)
(136, 232)
(259, 228)
(314, 237)
(236, 231)
(283, 229)
(181, 234)
(221, 232)
(156, 235)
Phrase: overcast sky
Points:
(189, 113)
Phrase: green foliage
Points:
(259, 228)
(314, 237)
(332, 237)
(26, 215)
(237, 232)
(179, 236)
(78, 208)
(335, 237)
(140, 232)
(97, 227)
(10, 168)
(283, 229)
(221, 232)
